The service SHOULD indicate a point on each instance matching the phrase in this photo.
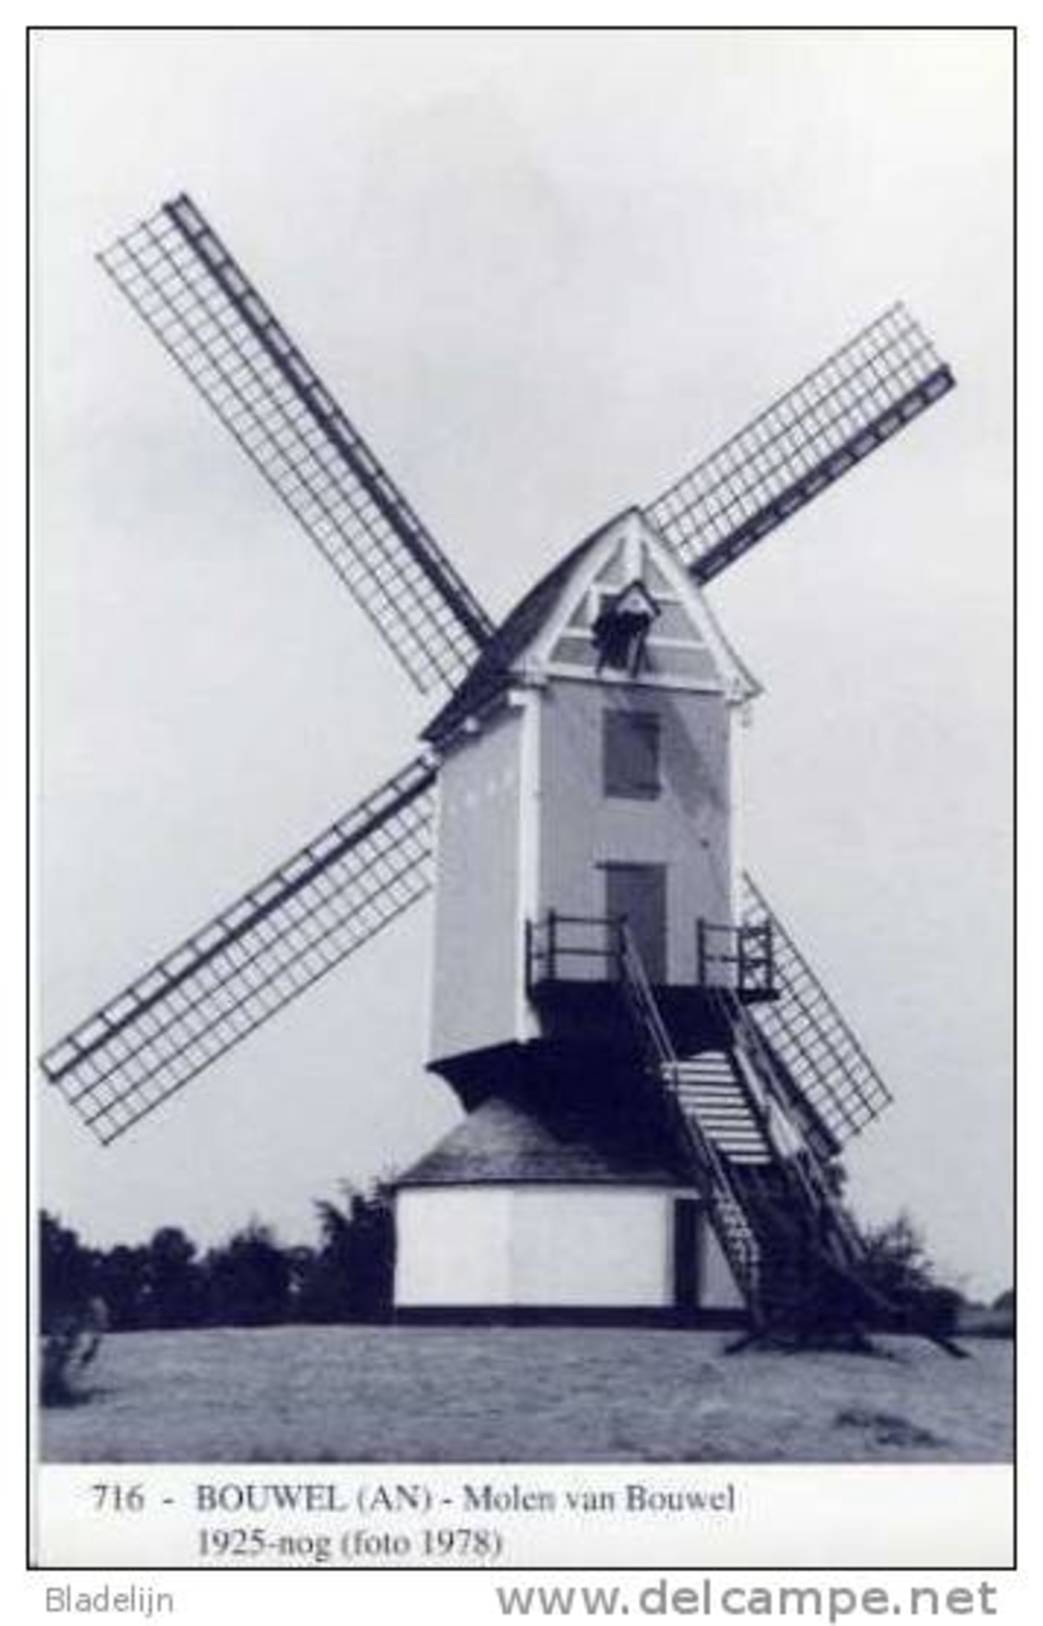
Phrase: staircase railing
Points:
(804, 1174)
(831, 1239)
(835, 1237)
(744, 951)
(727, 1210)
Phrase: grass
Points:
(379, 1394)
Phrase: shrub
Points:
(899, 1268)
(69, 1347)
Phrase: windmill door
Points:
(637, 893)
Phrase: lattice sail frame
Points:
(252, 959)
(806, 1031)
(182, 281)
(850, 405)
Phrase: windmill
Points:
(656, 1084)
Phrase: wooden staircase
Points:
(708, 1167)
(710, 1088)
(795, 1253)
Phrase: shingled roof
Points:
(504, 1143)
(490, 673)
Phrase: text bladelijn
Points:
(108, 1600)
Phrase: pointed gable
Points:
(624, 571)
(632, 578)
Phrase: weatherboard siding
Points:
(686, 827)
(477, 961)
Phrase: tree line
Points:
(252, 1280)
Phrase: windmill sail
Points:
(812, 1047)
(198, 302)
(251, 960)
(855, 401)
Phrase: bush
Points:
(69, 1347)
(350, 1277)
(899, 1269)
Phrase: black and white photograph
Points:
(522, 624)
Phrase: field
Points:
(377, 1394)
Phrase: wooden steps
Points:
(708, 1088)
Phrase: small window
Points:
(622, 627)
(631, 754)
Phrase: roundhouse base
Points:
(532, 1252)
(552, 1210)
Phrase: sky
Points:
(544, 273)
